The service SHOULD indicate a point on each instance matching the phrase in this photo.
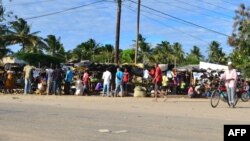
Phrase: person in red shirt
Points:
(125, 80)
(85, 81)
(152, 72)
(157, 81)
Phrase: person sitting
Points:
(79, 86)
(41, 86)
(191, 91)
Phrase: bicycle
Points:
(245, 96)
(221, 94)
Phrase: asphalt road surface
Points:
(70, 118)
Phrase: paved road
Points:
(54, 118)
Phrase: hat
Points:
(229, 63)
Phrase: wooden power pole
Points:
(138, 31)
(118, 24)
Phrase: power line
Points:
(29, 3)
(191, 11)
(62, 11)
(234, 4)
(209, 3)
(181, 20)
(159, 22)
(186, 3)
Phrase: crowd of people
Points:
(53, 79)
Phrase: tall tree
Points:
(54, 45)
(19, 33)
(86, 50)
(163, 53)
(196, 51)
(194, 57)
(216, 54)
(240, 39)
(178, 53)
(144, 49)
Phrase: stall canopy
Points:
(212, 66)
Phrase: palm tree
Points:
(196, 51)
(19, 33)
(144, 49)
(178, 52)
(86, 50)
(216, 54)
(163, 53)
(54, 46)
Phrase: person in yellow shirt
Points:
(165, 84)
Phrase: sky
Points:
(98, 21)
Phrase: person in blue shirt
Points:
(118, 82)
(68, 80)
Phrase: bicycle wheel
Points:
(245, 97)
(236, 99)
(215, 98)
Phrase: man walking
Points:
(157, 81)
(118, 82)
(27, 78)
(106, 81)
(230, 76)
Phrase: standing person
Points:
(230, 76)
(118, 82)
(157, 80)
(165, 84)
(106, 76)
(79, 86)
(68, 80)
(145, 75)
(9, 83)
(57, 77)
(27, 78)
(183, 87)
(49, 72)
(126, 77)
(85, 81)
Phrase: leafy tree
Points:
(128, 56)
(144, 49)
(216, 54)
(194, 57)
(163, 53)
(196, 51)
(54, 46)
(240, 39)
(178, 53)
(86, 50)
(19, 33)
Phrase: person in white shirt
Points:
(106, 81)
(146, 75)
(79, 86)
(49, 72)
(230, 76)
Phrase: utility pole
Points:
(138, 30)
(118, 24)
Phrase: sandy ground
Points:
(78, 118)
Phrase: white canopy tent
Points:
(212, 66)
